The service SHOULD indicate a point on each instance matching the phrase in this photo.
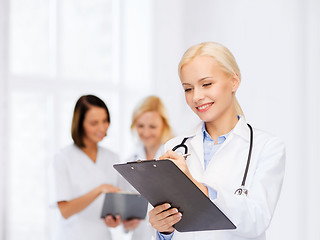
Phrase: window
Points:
(58, 51)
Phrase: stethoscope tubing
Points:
(249, 157)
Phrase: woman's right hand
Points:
(179, 160)
(108, 188)
(163, 217)
(111, 221)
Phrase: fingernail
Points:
(180, 214)
(168, 205)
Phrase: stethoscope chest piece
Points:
(241, 191)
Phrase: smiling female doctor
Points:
(245, 184)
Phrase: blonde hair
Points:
(149, 104)
(221, 54)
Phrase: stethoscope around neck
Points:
(242, 190)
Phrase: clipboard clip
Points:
(139, 161)
(153, 160)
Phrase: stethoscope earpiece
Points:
(182, 145)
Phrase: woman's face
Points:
(209, 91)
(150, 127)
(95, 124)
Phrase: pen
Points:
(186, 155)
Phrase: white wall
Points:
(277, 46)
(3, 114)
(136, 64)
(311, 120)
(168, 31)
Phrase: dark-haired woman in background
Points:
(83, 171)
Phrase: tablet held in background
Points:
(127, 205)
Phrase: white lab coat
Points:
(73, 174)
(251, 214)
(144, 231)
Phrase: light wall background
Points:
(277, 46)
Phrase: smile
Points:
(204, 107)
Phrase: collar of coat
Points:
(241, 129)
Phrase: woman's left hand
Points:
(131, 224)
(179, 160)
(110, 221)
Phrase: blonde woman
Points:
(225, 151)
(150, 122)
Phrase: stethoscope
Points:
(242, 190)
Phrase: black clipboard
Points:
(127, 205)
(161, 181)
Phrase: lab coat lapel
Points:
(196, 144)
(241, 129)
